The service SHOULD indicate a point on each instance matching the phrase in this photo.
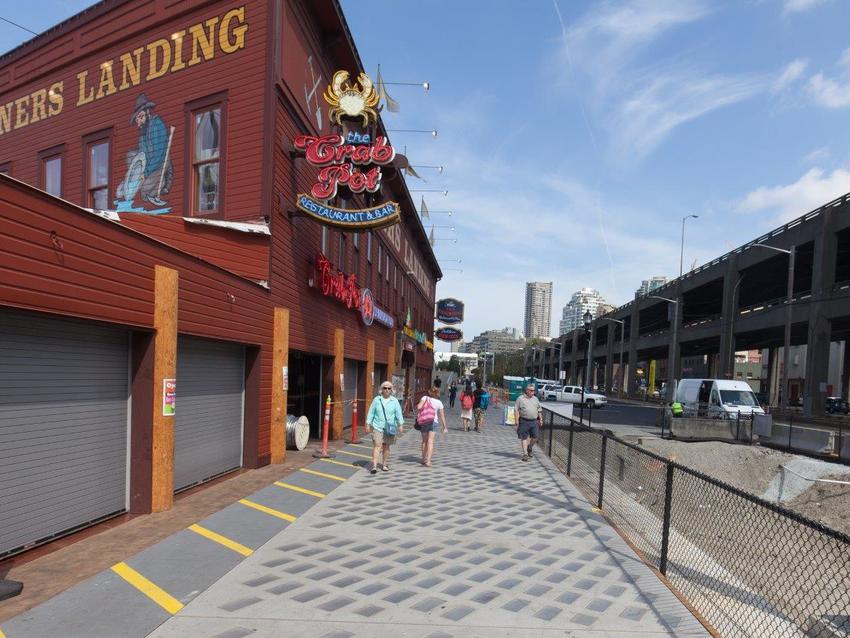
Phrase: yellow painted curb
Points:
(362, 456)
(339, 462)
(149, 589)
(300, 489)
(267, 510)
(239, 548)
(322, 474)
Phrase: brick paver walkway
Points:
(481, 544)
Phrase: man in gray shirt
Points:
(529, 420)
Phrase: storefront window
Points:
(52, 175)
(98, 181)
(324, 240)
(369, 246)
(206, 160)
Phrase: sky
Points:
(576, 134)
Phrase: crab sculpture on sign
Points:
(355, 100)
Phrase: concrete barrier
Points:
(693, 429)
(804, 438)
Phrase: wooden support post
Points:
(337, 411)
(165, 367)
(370, 373)
(280, 360)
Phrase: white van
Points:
(717, 398)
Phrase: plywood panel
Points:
(165, 367)
(279, 394)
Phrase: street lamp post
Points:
(588, 322)
(786, 348)
(682, 249)
(620, 366)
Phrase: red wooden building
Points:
(149, 240)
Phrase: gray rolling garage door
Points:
(208, 420)
(63, 426)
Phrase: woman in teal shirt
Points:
(384, 420)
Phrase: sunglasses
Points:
(386, 388)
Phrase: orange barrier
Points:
(354, 437)
(324, 452)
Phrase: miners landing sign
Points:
(449, 311)
(351, 160)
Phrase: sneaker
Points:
(374, 470)
(530, 455)
(476, 429)
(525, 457)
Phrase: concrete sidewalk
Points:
(481, 544)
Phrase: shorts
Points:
(432, 427)
(528, 428)
(380, 438)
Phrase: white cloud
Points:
(790, 201)
(828, 92)
(649, 116)
(817, 155)
(799, 6)
(792, 72)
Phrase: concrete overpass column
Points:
(726, 362)
(845, 369)
(575, 357)
(562, 340)
(820, 328)
(773, 376)
(609, 357)
(634, 330)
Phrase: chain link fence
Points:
(749, 567)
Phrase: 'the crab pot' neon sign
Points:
(353, 161)
(339, 163)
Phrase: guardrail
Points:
(748, 566)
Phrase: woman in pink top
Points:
(429, 430)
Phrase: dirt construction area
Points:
(769, 474)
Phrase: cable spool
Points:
(297, 432)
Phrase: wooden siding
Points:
(246, 254)
(240, 75)
(59, 259)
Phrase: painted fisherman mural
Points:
(149, 170)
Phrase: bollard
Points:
(354, 437)
(323, 454)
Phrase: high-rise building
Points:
(648, 285)
(572, 316)
(538, 309)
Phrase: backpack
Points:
(484, 401)
(426, 413)
(466, 401)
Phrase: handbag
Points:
(389, 428)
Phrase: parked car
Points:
(573, 394)
(837, 405)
